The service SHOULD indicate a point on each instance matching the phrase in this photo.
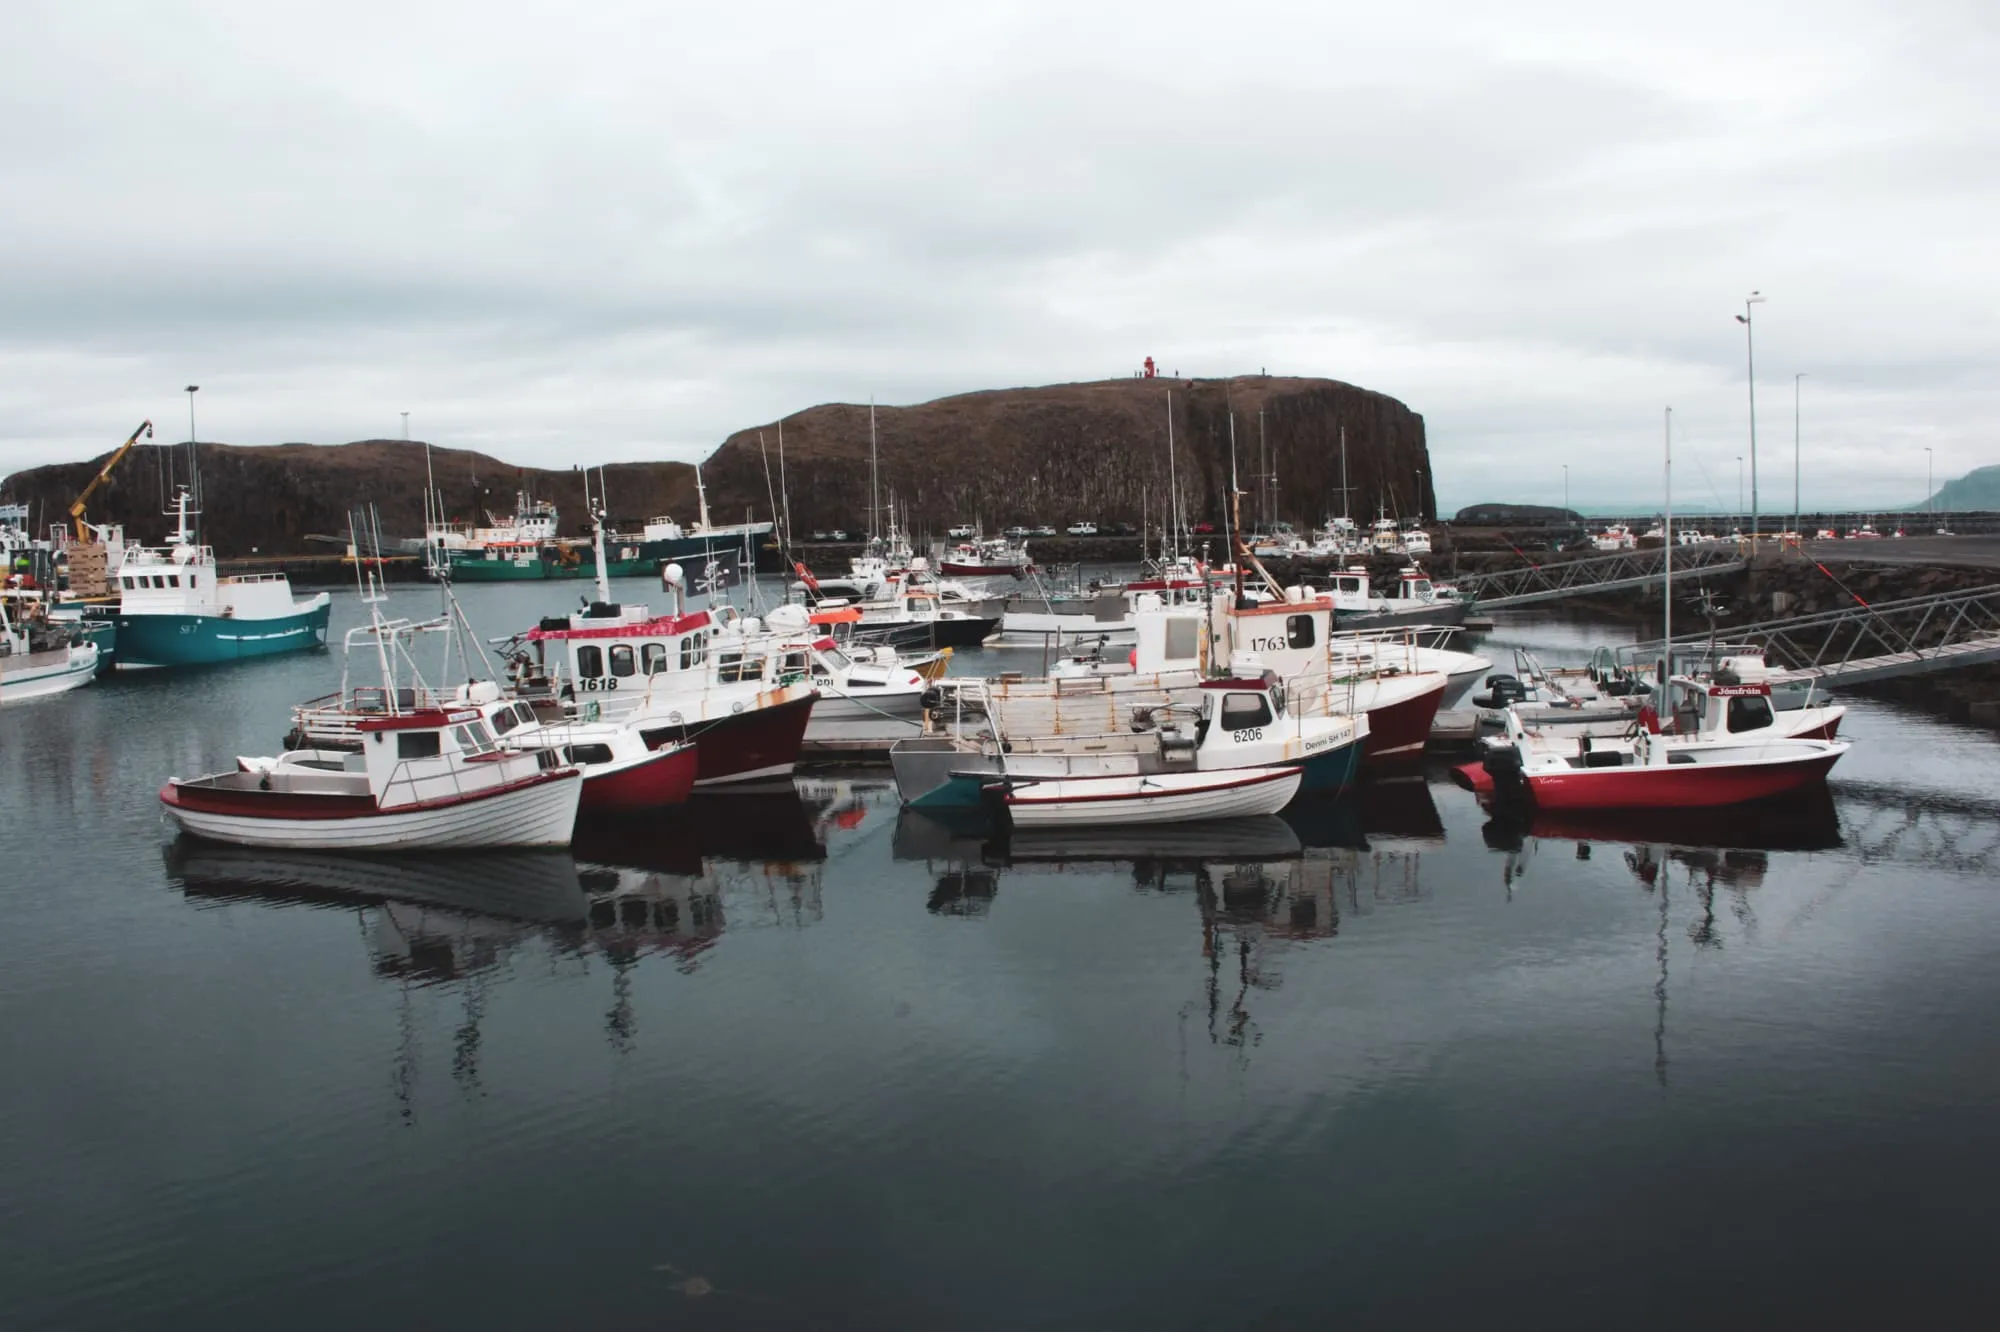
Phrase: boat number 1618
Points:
(592, 684)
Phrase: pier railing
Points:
(1863, 643)
(1604, 573)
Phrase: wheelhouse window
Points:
(1299, 631)
(623, 660)
(795, 664)
(504, 721)
(1748, 712)
(473, 738)
(737, 667)
(418, 744)
(694, 651)
(590, 661)
(1241, 711)
(1183, 637)
(654, 657)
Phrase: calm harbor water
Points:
(801, 1060)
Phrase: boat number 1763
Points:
(1277, 644)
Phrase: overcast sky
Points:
(622, 230)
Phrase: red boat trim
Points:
(1261, 776)
(426, 718)
(660, 627)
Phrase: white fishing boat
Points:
(38, 658)
(1416, 599)
(1242, 721)
(428, 780)
(1165, 797)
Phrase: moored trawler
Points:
(174, 610)
(524, 547)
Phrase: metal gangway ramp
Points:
(1602, 573)
(1861, 644)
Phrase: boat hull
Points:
(744, 746)
(1400, 727)
(1686, 786)
(1121, 801)
(1439, 613)
(660, 780)
(150, 641)
(537, 812)
(1332, 772)
(64, 671)
(469, 567)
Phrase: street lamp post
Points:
(1795, 453)
(1930, 495)
(1739, 494)
(1750, 356)
(1565, 492)
(406, 425)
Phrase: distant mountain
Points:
(1055, 454)
(270, 498)
(1977, 489)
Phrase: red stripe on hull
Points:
(1676, 786)
(752, 742)
(1401, 730)
(665, 779)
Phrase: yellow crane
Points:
(103, 475)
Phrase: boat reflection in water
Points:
(623, 891)
(1803, 821)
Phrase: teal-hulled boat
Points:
(174, 610)
(497, 562)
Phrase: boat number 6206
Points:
(1246, 736)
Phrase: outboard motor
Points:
(1503, 765)
(1501, 691)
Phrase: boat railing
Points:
(237, 580)
(403, 775)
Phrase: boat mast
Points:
(701, 499)
(1173, 514)
(1343, 475)
(874, 481)
(597, 531)
(1667, 585)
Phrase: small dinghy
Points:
(1161, 797)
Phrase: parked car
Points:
(960, 532)
(1083, 529)
(1043, 531)
(837, 534)
(819, 536)
(1016, 533)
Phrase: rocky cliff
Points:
(1093, 451)
(268, 499)
(1051, 455)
